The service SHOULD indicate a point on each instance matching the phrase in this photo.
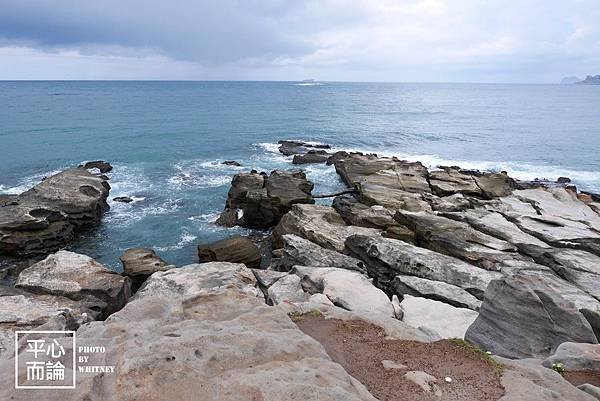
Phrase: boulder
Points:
(436, 290)
(48, 216)
(299, 251)
(349, 290)
(196, 333)
(141, 263)
(385, 258)
(286, 289)
(527, 380)
(79, 278)
(524, 315)
(448, 321)
(228, 218)
(312, 156)
(319, 224)
(358, 214)
(576, 356)
(236, 249)
(264, 199)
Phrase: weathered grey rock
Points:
(195, 333)
(141, 263)
(386, 258)
(458, 239)
(450, 181)
(448, 321)
(228, 218)
(452, 203)
(346, 289)
(524, 315)
(286, 289)
(101, 165)
(553, 215)
(27, 311)
(436, 290)
(312, 156)
(266, 278)
(527, 380)
(80, 278)
(299, 251)
(496, 225)
(590, 389)
(576, 356)
(48, 216)
(236, 249)
(358, 214)
(319, 224)
(578, 267)
(357, 169)
(264, 199)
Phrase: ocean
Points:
(167, 141)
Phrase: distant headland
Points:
(589, 80)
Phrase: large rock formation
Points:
(80, 278)
(200, 332)
(319, 224)
(47, 217)
(299, 251)
(263, 200)
(141, 263)
(385, 258)
(525, 316)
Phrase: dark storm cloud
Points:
(204, 31)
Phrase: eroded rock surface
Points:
(206, 336)
(236, 249)
(263, 200)
(48, 216)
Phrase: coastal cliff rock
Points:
(263, 199)
(48, 216)
(80, 278)
(524, 316)
(386, 258)
(206, 336)
(299, 251)
(319, 224)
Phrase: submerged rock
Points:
(290, 148)
(236, 249)
(123, 199)
(48, 216)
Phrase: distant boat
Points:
(308, 82)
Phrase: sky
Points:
(537, 41)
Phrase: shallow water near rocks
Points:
(167, 141)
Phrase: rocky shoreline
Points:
(509, 268)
